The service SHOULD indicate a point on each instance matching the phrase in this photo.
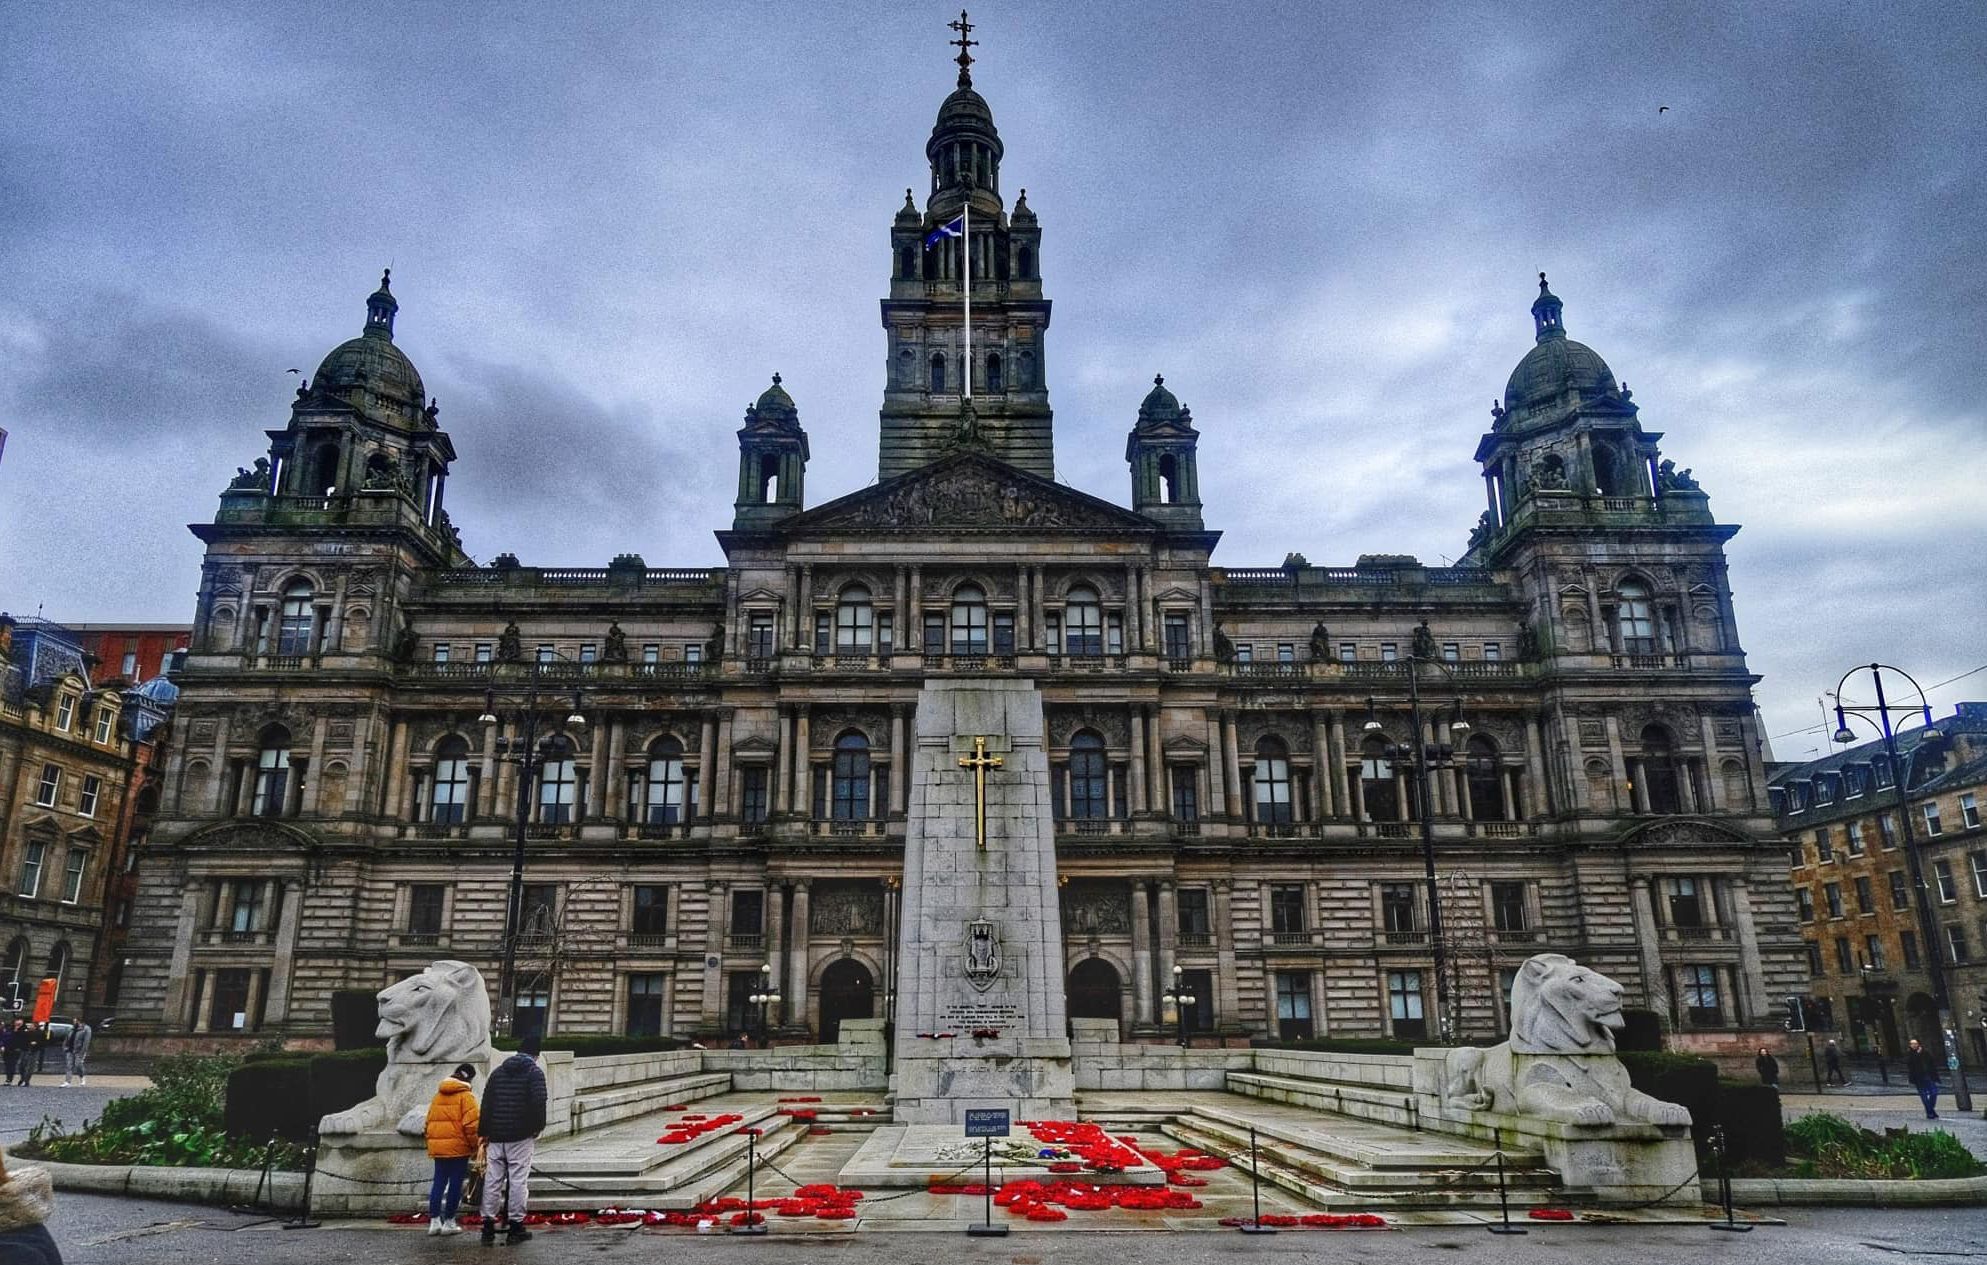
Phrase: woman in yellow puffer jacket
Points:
(452, 1139)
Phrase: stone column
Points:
(1713, 799)
(1617, 760)
(1155, 762)
(201, 1014)
(1148, 610)
(1169, 931)
(916, 599)
(1035, 606)
(334, 635)
(598, 770)
(1507, 782)
(712, 1009)
(179, 972)
(488, 790)
(1648, 944)
(804, 608)
(799, 1010)
(783, 761)
(1459, 782)
(1231, 767)
(1141, 952)
(898, 759)
(1324, 804)
(291, 896)
(707, 801)
(773, 949)
(1535, 764)
(900, 602)
(1341, 793)
(403, 742)
(1225, 1003)
(1751, 975)
(803, 781)
(1136, 775)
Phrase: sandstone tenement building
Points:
(730, 812)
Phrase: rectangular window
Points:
(1404, 1004)
(106, 718)
(934, 635)
(740, 1013)
(1832, 894)
(1814, 959)
(1389, 652)
(1452, 652)
(1179, 636)
(759, 635)
(645, 1005)
(1286, 909)
(482, 652)
(246, 911)
(1186, 792)
(1824, 846)
(1686, 907)
(693, 652)
(1979, 862)
(230, 1006)
(1492, 652)
(49, 787)
(1931, 812)
(128, 668)
(1873, 952)
(1805, 900)
(886, 633)
(1114, 633)
(441, 652)
(651, 652)
(1956, 944)
(538, 913)
(1855, 838)
(651, 914)
(824, 632)
(1348, 652)
(1194, 920)
(1199, 985)
(1293, 1005)
(86, 804)
(1866, 901)
(65, 712)
(1245, 652)
(1887, 827)
(1507, 906)
(1900, 890)
(1003, 632)
(1942, 879)
(1286, 652)
(1880, 770)
(748, 912)
(1700, 996)
(533, 1011)
(72, 875)
(547, 654)
(1845, 962)
(1969, 810)
(1907, 944)
(1852, 782)
(1397, 908)
(424, 909)
(752, 780)
(589, 651)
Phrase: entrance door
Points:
(1095, 991)
(848, 991)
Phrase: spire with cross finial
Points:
(1547, 313)
(380, 307)
(964, 43)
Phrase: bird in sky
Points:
(1662, 109)
(295, 371)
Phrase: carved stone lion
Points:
(431, 1022)
(1559, 1063)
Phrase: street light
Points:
(529, 751)
(1180, 999)
(1928, 930)
(765, 999)
(1426, 757)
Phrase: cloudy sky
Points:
(609, 224)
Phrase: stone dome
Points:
(774, 399)
(1553, 368)
(371, 361)
(1159, 402)
(962, 106)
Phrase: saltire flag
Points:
(956, 228)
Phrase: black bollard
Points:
(1503, 1199)
(1255, 1226)
(302, 1220)
(751, 1163)
(1724, 1183)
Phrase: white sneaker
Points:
(451, 1226)
(82, 1080)
(435, 1225)
(65, 1084)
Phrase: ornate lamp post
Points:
(526, 748)
(1425, 757)
(1928, 929)
(1180, 999)
(765, 999)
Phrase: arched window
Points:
(13, 981)
(668, 786)
(851, 778)
(969, 620)
(1376, 781)
(297, 620)
(993, 374)
(1083, 621)
(1089, 782)
(1169, 479)
(1272, 782)
(1024, 259)
(1483, 773)
(769, 478)
(1636, 618)
(58, 968)
(450, 803)
(855, 621)
(272, 772)
(323, 471)
(1659, 771)
(558, 784)
(938, 371)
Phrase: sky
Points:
(610, 224)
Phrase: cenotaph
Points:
(980, 1014)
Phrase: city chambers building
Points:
(704, 769)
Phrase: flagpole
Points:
(966, 244)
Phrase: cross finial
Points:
(965, 58)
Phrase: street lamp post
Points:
(528, 751)
(765, 999)
(1928, 930)
(1180, 999)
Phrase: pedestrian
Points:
(1769, 1068)
(11, 1041)
(1831, 1060)
(27, 1198)
(76, 1053)
(32, 1038)
(452, 1139)
(513, 1115)
(1923, 1073)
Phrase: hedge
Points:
(1641, 1030)
(1755, 1131)
(288, 1093)
(587, 1045)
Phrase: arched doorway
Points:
(1095, 991)
(848, 991)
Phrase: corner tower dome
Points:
(1557, 367)
(369, 372)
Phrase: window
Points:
(851, 778)
(1272, 783)
(1880, 770)
(1389, 652)
(1824, 846)
(483, 652)
(1404, 1004)
(1907, 943)
(1179, 636)
(667, 785)
(72, 875)
(1483, 779)
(65, 712)
(296, 620)
(449, 803)
(1832, 893)
(86, 803)
(538, 911)
(1452, 652)
(1286, 652)
(1636, 618)
(1186, 792)
(1796, 796)
(1193, 912)
(1969, 810)
(589, 652)
(272, 773)
(1815, 967)
(1661, 785)
(645, 1005)
(994, 374)
(1887, 827)
(558, 785)
(1956, 944)
(969, 620)
(244, 905)
(1873, 952)
(1866, 901)
(1979, 862)
(1845, 962)
(1245, 652)
(547, 653)
(759, 635)
(1492, 652)
(1286, 909)
(855, 621)
(128, 666)
(1200, 986)
(1804, 900)
(651, 652)
(650, 922)
(441, 652)
(1507, 906)
(1853, 782)
(533, 1009)
(1942, 879)
(424, 910)
(1397, 908)
(1931, 812)
(748, 912)
(1088, 790)
(1900, 890)
(938, 371)
(1685, 905)
(230, 1005)
(1003, 631)
(48, 787)
(1083, 621)
(1700, 995)
(752, 795)
(31, 862)
(1293, 1005)
(1377, 789)
(106, 718)
(1855, 838)
(1348, 652)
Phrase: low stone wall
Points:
(855, 1062)
(1101, 1062)
(609, 1070)
(1842, 1192)
(283, 1191)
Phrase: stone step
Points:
(1319, 1095)
(596, 1108)
(1302, 1152)
(693, 1175)
(631, 1149)
(1363, 1142)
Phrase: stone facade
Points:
(732, 811)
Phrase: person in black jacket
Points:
(513, 1115)
(1923, 1073)
(1769, 1068)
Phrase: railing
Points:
(286, 662)
(229, 936)
(758, 665)
(1260, 576)
(1456, 575)
(745, 942)
(1179, 665)
(1370, 670)
(1282, 830)
(648, 940)
(867, 828)
(663, 830)
(1697, 935)
(1194, 939)
(547, 830)
(1500, 936)
(1502, 829)
(939, 661)
(1086, 662)
(1092, 826)
(853, 662)
(1289, 939)
(1404, 939)
(1650, 660)
(669, 671)
(571, 577)
(1277, 671)
(1624, 504)
(1187, 829)
(1392, 829)
(420, 939)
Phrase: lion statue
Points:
(431, 1022)
(1559, 1063)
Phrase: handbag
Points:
(472, 1186)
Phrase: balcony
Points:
(548, 830)
(1092, 827)
(650, 941)
(745, 942)
(1649, 661)
(940, 662)
(1404, 939)
(663, 830)
(418, 939)
(670, 671)
(867, 828)
(1179, 663)
(1695, 935)
(1503, 829)
(1514, 936)
(1271, 671)
(1288, 939)
(236, 939)
(1194, 940)
(1283, 830)
(1187, 829)
(1388, 829)
(1086, 662)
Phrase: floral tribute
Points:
(1550, 1214)
(696, 1125)
(820, 1202)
